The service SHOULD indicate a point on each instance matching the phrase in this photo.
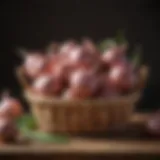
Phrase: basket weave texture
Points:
(76, 116)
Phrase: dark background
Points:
(34, 23)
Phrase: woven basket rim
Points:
(32, 97)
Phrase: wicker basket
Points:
(76, 116)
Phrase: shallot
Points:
(122, 77)
(47, 84)
(33, 63)
(83, 83)
(10, 107)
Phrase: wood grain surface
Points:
(123, 146)
(88, 147)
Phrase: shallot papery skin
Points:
(110, 57)
(81, 77)
(80, 59)
(42, 81)
(62, 70)
(121, 77)
(83, 82)
(113, 54)
(69, 95)
(66, 48)
(8, 130)
(33, 64)
(89, 47)
(47, 85)
(107, 90)
(10, 106)
(52, 61)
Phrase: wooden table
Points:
(89, 148)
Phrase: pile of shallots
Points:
(80, 70)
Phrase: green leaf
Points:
(44, 137)
(111, 42)
(107, 43)
(27, 121)
(136, 56)
(27, 127)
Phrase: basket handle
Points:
(22, 78)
